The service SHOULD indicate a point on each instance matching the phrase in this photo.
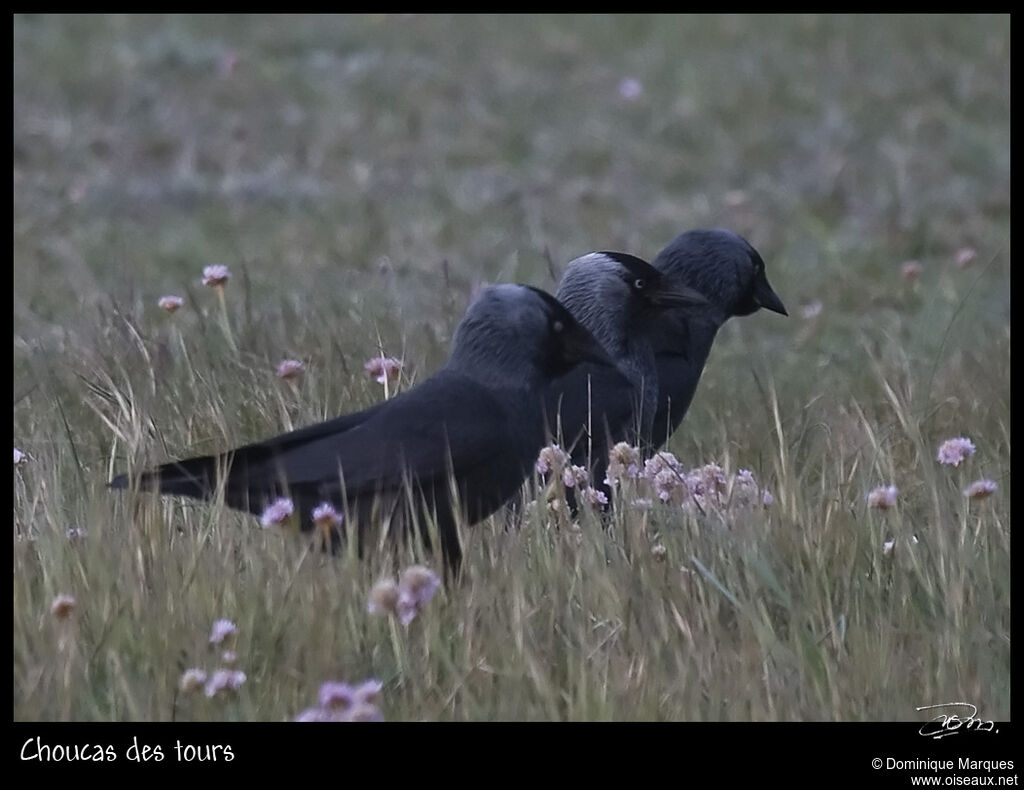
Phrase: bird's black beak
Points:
(765, 297)
(667, 294)
(579, 345)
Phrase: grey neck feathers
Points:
(600, 305)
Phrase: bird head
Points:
(614, 293)
(522, 334)
(724, 268)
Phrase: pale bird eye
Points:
(558, 326)
(639, 283)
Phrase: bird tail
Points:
(193, 477)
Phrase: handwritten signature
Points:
(950, 724)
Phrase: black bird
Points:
(730, 274)
(619, 298)
(462, 442)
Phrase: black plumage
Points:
(730, 274)
(617, 297)
(462, 441)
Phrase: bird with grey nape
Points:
(730, 274)
(453, 449)
(617, 297)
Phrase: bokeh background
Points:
(362, 175)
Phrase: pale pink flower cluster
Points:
(170, 303)
(63, 605)
(575, 476)
(289, 369)
(701, 489)
(953, 451)
(216, 275)
(277, 512)
(882, 497)
(416, 585)
(382, 368)
(910, 271)
(19, 457)
(980, 489)
(551, 459)
(665, 473)
(630, 88)
(623, 464)
(325, 517)
(965, 257)
(342, 702)
(223, 632)
(192, 680)
(555, 462)
(222, 680)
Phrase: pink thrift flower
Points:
(384, 597)
(910, 271)
(980, 489)
(224, 680)
(325, 517)
(596, 497)
(223, 631)
(216, 275)
(745, 491)
(192, 680)
(76, 533)
(229, 657)
(551, 458)
(767, 499)
(337, 696)
(383, 369)
(623, 463)
(573, 476)
(965, 257)
(812, 309)
(953, 451)
(661, 462)
(882, 497)
(367, 692)
(19, 457)
(170, 303)
(63, 605)
(277, 512)
(666, 483)
(630, 88)
(416, 586)
(289, 369)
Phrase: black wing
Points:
(448, 423)
(589, 407)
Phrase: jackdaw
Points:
(619, 298)
(730, 274)
(460, 443)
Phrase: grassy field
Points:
(361, 176)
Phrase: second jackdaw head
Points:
(618, 297)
